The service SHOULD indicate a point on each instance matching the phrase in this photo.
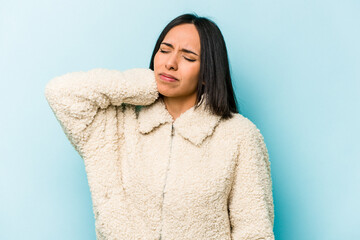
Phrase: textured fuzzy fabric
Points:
(198, 177)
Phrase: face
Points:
(179, 57)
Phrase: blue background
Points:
(296, 72)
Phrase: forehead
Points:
(184, 35)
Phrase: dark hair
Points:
(214, 65)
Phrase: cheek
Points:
(156, 61)
(193, 74)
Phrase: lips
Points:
(168, 76)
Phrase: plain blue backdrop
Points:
(296, 72)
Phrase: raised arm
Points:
(75, 98)
(250, 205)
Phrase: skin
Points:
(180, 95)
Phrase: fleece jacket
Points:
(197, 177)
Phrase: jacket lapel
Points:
(193, 125)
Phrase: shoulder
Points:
(242, 130)
(239, 124)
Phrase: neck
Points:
(176, 106)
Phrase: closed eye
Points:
(190, 60)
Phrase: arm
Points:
(250, 203)
(75, 98)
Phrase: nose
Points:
(171, 62)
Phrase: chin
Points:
(165, 90)
(167, 94)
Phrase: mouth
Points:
(168, 77)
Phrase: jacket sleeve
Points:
(250, 202)
(75, 98)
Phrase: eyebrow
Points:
(184, 50)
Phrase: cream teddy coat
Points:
(199, 177)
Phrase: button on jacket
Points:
(151, 177)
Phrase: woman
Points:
(166, 153)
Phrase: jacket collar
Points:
(193, 124)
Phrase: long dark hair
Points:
(214, 65)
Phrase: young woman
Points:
(166, 152)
